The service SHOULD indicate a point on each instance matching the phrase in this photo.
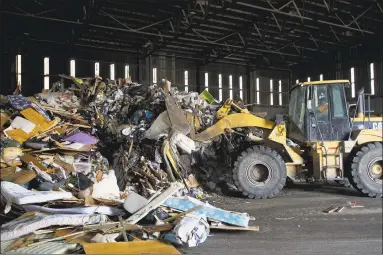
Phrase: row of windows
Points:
(72, 65)
(72, 70)
(186, 79)
(186, 83)
(372, 80)
(112, 71)
(352, 80)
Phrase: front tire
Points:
(260, 172)
(367, 170)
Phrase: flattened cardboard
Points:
(21, 177)
(29, 158)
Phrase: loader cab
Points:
(318, 111)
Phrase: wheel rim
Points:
(375, 171)
(258, 174)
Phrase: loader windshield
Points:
(321, 102)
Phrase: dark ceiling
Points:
(267, 33)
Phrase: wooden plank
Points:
(250, 228)
(154, 203)
(182, 214)
(136, 247)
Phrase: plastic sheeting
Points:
(28, 224)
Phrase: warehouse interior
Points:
(251, 47)
(112, 116)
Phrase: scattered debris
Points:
(109, 167)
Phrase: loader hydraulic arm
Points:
(242, 118)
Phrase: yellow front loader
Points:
(318, 141)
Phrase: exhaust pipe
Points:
(361, 103)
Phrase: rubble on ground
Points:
(108, 162)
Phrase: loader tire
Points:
(260, 172)
(366, 170)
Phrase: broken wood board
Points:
(156, 202)
(84, 238)
(182, 214)
(250, 228)
(136, 247)
(192, 182)
(63, 164)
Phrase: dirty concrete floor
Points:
(293, 223)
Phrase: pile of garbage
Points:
(96, 166)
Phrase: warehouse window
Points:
(297, 81)
(112, 72)
(186, 77)
(96, 69)
(258, 96)
(154, 75)
(308, 79)
(72, 68)
(18, 70)
(372, 76)
(220, 87)
(271, 93)
(231, 86)
(280, 92)
(240, 88)
(352, 82)
(207, 81)
(46, 73)
(321, 77)
(126, 71)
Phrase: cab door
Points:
(298, 114)
(319, 122)
(340, 120)
(329, 120)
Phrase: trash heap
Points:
(105, 167)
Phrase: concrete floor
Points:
(293, 223)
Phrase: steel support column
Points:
(248, 85)
(198, 78)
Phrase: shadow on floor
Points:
(289, 190)
(325, 188)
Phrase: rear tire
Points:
(366, 170)
(260, 172)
